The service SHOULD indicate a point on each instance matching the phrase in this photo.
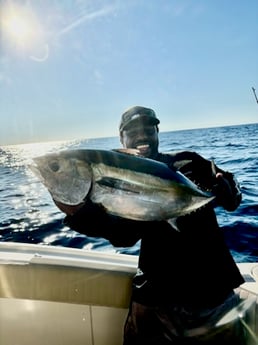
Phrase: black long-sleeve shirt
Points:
(187, 265)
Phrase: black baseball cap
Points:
(138, 113)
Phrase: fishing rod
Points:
(255, 94)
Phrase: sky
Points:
(70, 68)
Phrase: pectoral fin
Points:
(173, 222)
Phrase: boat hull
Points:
(55, 295)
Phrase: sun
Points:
(18, 28)
(19, 25)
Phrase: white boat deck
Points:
(61, 296)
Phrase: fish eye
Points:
(54, 166)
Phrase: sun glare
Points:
(19, 26)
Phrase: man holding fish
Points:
(186, 275)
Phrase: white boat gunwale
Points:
(48, 287)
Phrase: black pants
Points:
(180, 326)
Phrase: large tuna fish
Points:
(125, 185)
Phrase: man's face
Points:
(143, 137)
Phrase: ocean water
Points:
(28, 214)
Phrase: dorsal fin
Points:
(181, 164)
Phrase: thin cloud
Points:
(86, 17)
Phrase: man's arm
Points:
(92, 220)
(207, 176)
(227, 191)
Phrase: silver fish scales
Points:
(125, 185)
